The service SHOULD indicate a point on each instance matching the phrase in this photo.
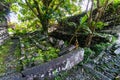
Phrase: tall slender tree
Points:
(94, 19)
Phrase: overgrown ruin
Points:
(3, 23)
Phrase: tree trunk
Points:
(45, 27)
(88, 40)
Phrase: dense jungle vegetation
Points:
(41, 29)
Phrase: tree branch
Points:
(51, 4)
(98, 3)
(47, 2)
(6, 7)
(87, 6)
(106, 3)
(38, 10)
(58, 5)
(31, 8)
(91, 12)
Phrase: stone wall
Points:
(3, 24)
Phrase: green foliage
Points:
(48, 55)
(42, 56)
(114, 6)
(34, 55)
(88, 53)
(114, 39)
(5, 48)
(39, 14)
(99, 25)
(4, 54)
(86, 29)
(15, 7)
(61, 76)
(4, 10)
(72, 24)
(116, 1)
(83, 20)
(84, 24)
(100, 47)
(102, 2)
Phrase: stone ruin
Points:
(3, 24)
(49, 69)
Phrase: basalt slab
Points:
(51, 68)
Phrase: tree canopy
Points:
(41, 13)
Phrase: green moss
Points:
(61, 76)
(113, 39)
(17, 51)
(5, 47)
(35, 56)
(100, 47)
(87, 55)
(3, 55)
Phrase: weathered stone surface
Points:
(117, 46)
(118, 41)
(66, 49)
(3, 35)
(3, 30)
(15, 76)
(3, 25)
(107, 66)
(49, 69)
(118, 77)
(117, 51)
(96, 73)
